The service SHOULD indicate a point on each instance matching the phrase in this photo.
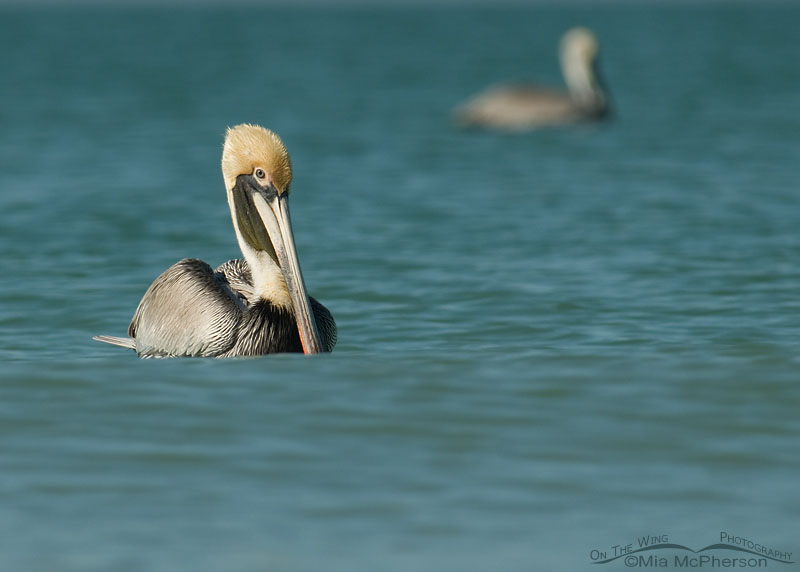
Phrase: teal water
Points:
(549, 343)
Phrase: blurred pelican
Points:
(529, 106)
(245, 307)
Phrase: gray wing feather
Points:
(189, 310)
(129, 343)
(237, 275)
(519, 106)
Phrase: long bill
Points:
(278, 224)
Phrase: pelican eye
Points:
(260, 174)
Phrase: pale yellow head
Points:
(251, 147)
(579, 44)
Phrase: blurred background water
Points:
(549, 342)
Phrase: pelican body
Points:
(530, 106)
(251, 306)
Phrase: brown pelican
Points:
(527, 106)
(245, 307)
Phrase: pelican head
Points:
(257, 172)
(579, 43)
(578, 53)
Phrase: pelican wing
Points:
(190, 310)
(236, 273)
(128, 343)
(325, 324)
(518, 106)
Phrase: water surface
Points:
(549, 342)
